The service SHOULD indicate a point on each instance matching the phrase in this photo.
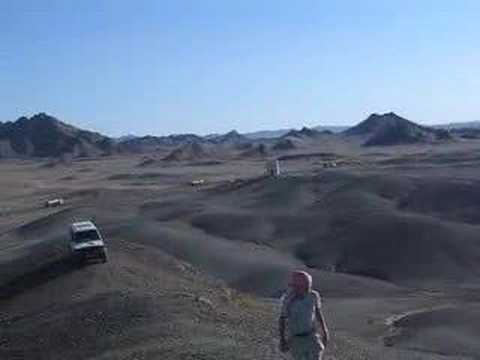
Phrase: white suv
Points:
(86, 242)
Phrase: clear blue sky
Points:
(206, 66)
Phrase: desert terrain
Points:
(389, 233)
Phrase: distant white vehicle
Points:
(86, 242)
(197, 182)
(54, 202)
(330, 164)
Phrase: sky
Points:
(208, 66)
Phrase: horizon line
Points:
(72, 123)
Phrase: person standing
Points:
(302, 320)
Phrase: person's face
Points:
(298, 284)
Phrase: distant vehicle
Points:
(331, 164)
(197, 182)
(54, 202)
(86, 242)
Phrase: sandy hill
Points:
(45, 136)
(391, 129)
(187, 152)
(391, 228)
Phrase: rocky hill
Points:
(152, 143)
(284, 144)
(391, 129)
(303, 133)
(45, 136)
(187, 152)
(466, 133)
(230, 138)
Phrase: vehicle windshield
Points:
(83, 236)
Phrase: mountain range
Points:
(45, 136)
(460, 125)
(391, 129)
(270, 134)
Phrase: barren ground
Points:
(390, 235)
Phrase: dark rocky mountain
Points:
(125, 138)
(45, 136)
(326, 132)
(284, 144)
(459, 125)
(330, 128)
(375, 123)
(187, 152)
(141, 144)
(391, 129)
(271, 134)
(152, 143)
(303, 133)
(466, 133)
(230, 138)
(266, 134)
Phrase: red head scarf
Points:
(301, 280)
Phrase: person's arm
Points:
(283, 339)
(281, 324)
(323, 325)
(321, 320)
